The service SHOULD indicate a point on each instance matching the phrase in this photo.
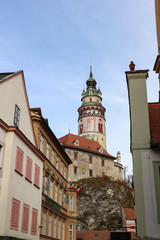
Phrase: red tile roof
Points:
(84, 144)
(154, 121)
(130, 213)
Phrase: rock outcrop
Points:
(100, 201)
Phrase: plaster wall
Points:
(152, 226)
(94, 99)
(83, 165)
(16, 186)
(16, 94)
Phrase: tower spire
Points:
(91, 74)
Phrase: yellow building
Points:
(58, 215)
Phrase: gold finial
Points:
(90, 69)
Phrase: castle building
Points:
(91, 121)
(88, 149)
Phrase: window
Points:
(57, 162)
(41, 144)
(55, 198)
(51, 189)
(46, 184)
(29, 169)
(59, 228)
(90, 159)
(90, 172)
(64, 171)
(55, 220)
(47, 151)
(16, 116)
(19, 161)
(15, 214)
(25, 218)
(49, 226)
(71, 203)
(34, 221)
(60, 196)
(100, 128)
(102, 162)
(75, 170)
(63, 231)
(64, 198)
(52, 156)
(70, 231)
(36, 175)
(75, 155)
(44, 223)
(61, 167)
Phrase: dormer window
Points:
(76, 142)
(16, 116)
(100, 149)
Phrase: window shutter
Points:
(15, 214)
(34, 221)
(29, 169)
(19, 160)
(36, 175)
(25, 218)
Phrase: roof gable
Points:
(13, 92)
(84, 144)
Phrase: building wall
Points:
(16, 94)
(88, 161)
(55, 206)
(15, 185)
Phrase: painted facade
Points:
(90, 159)
(21, 164)
(58, 215)
(91, 120)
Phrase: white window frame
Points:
(63, 226)
(47, 150)
(57, 161)
(70, 231)
(71, 203)
(51, 189)
(55, 196)
(59, 228)
(41, 143)
(55, 221)
(65, 171)
(44, 223)
(49, 225)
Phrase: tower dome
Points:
(91, 120)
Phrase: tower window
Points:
(75, 170)
(75, 155)
(90, 99)
(100, 128)
(90, 159)
(102, 163)
(90, 172)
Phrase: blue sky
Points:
(52, 41)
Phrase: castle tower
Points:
(91, 120)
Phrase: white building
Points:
(21, 164)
